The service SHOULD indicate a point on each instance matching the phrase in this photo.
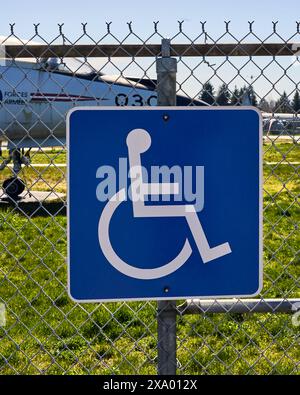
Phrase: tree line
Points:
(224, 97)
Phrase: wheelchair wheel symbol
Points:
(139, 141)
(118, 263)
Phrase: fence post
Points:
(166, 68)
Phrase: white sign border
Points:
(171, 108)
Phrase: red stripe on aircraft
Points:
(62, 97)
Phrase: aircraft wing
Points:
(8, 40)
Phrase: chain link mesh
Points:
(45, 332)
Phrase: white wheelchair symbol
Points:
(139, 141)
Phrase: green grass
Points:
(276, 152)
(47, 333)
(54, 155)
(40, 179)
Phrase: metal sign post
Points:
(166, 68)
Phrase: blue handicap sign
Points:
(164, 203)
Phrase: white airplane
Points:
(278, 122)
(36, 95)
(275, 122)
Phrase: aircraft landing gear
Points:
(14, 186)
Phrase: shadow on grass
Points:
(35, 209)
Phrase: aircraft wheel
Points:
(13, 187)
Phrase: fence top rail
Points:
(198, 306)
(148, 50)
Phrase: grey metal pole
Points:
(196, 306)
(166, 68)
(166, 344)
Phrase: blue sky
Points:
(142, 13)
(168, 12)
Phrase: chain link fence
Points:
(41, 330)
